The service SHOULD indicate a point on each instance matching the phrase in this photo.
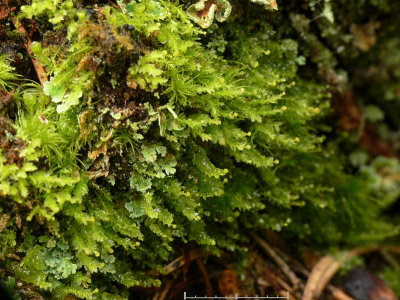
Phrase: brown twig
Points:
(281, 263)
(388, 256)
(180, 261)
(337, 293)
(320, 275)
(162, 293)
(207, 283)
(284, 285)
(40, 71)
(115, 5)
(326, 268)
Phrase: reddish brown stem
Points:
(209, 289)
(40, 71)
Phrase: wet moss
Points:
(153, 132)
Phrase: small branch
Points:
(284, 285)
(40, 71)
(180, 261)
(281, 263)
(337, 293)
(209, 289)
(388, 256)
(162, 293)
(320, 275)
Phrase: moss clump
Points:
(152, 133)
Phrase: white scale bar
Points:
(236, 297)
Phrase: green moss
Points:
(7, 76)
(146, 138)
